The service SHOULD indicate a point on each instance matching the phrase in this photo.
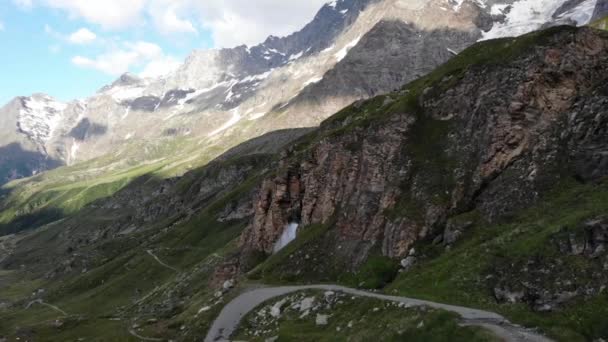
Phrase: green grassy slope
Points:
(128, 287)
(29, 203)
(123, 284)
(463, 275)
(354, 319)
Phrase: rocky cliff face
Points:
(491, 137)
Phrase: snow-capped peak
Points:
(525, 16)
(126, 87)
(39, 117)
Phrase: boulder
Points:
(228, 284)
(275, 311)
(322, 319)
(307, 304)
(408, 262)
(506, 295)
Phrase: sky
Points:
(71, 48)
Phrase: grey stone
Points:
(307, 303)
(408, 262)
(322, 319)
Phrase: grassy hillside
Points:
(155, 282)
(527, 249)
(353, 319)
(30, 203)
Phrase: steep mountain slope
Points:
(463, 150)
(469, 158)
(493, 139)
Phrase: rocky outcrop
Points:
(546, 283)
(590, 240)
(491, 137)
(311, 190)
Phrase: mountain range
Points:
(351, 50)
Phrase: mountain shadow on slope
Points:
(15, 163)
(85, 128)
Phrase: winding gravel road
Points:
(232, 314)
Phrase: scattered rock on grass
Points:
(322, 319)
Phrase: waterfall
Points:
(289, 234)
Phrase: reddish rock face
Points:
(332, 181)
(493, 140)
(224, 272)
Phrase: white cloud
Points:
(110, 14)
(145, 55)
(167, 18)
(113, 63)
(145, 49)
(231, 22)
(1, 26)
(23, 3)
(160, 67)
(82, 36)
(235, 22)
(49, 30)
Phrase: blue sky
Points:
(70, 48)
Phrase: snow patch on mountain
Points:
(258, 77)
(312, 81)
(256, 116)
(236, 117)
(526, 16)
(456, 4)
(499, 9)
(123, 93)
(340, 55)
(332, 4)
(39, 116)
(296, 56)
